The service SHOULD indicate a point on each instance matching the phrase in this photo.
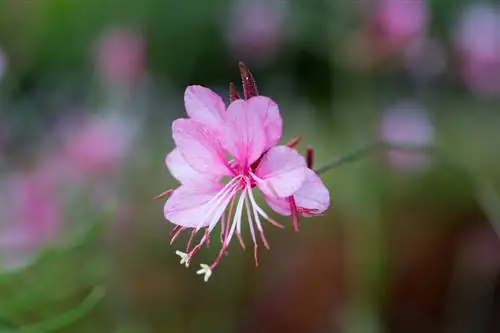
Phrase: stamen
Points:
(262, 212)
(257, 220)
(184, 258)
(174, 229)
(216, 202)
(295, 213)
(188, 245)
(263, 182)
(256, 254)
(178, 232)
(163, 194)
(237, 216)
(252, 232)
(206, 271)
(293, 142)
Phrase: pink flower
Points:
(97, 144)
(121, 56)
(407, 122)
(477, 38)
(399, 20)
(249, 132)
(31, 217)
(257, 28)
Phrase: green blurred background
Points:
(88, 91)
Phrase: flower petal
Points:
(311, 198)
(199, 146)
(182, 171)
(245, 137)
(269, 112)
(204, 106)
(281, 171)
(189, 204)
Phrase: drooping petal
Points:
(281, 172)
(182, 171)
(204, 106)
(200, 147)
(244, 135)
(189, 204)
(269, 112)
(311, 198)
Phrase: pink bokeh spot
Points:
(477, 40)
(406, 122)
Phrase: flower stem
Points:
(68, 317)
(380, 145)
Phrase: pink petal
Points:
(311, 198)
(271, 118)
(204, 106)
(245, 137)
(199, 146)
(189, 204)
(181, 170)
(281, 171)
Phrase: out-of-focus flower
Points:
(97, 144)
(249, 131)
(397, 21)
(389, 28)
(477, 40)
(425, 58)
(121, 56)
(3, 63)
(407, 122)
(257, 28)
(31, 216)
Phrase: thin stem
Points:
(380, 145)
(68, 317)
(484, 191)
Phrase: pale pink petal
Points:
(199, 146)
(244, 135)
(181, 170)
(281, 172)
(279, 205)
(205, 106)
(311, 198)
(269, 112)
(189, 204)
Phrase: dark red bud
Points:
(310, 157)
(248, 82)
(233, 92)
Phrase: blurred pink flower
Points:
(248, 131)
(399, 20)
(3, 63)
(257, 28)
(31, 216)
(477, 39)
(121, 56)
(406, 122)
(97, 144)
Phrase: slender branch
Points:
(380, 145)
(484, 191)
(68, 317)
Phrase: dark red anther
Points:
(233, 92)
(248, 82)
(310, 157)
